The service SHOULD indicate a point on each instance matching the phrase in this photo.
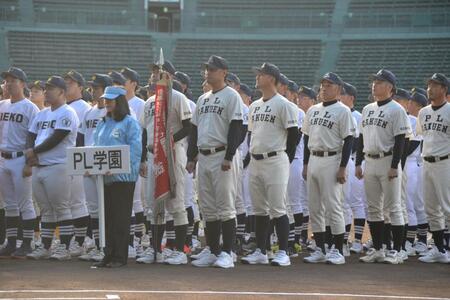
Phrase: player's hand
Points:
(190, 167)
(108, 173)
(304, 172)
(87, 174)
(359, 172)
(31, 158)
(27, 171)
(392, 174)
(226, 165)
(143, 169)
(341, 175)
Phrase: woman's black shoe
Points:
(102, 264)
(117, 264)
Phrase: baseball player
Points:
(273, 132)
(385, 125)
(433, 124)
(75, 83)
(329, 129)
(37, 94)
(354, 188)
(16, 115)
(215, 136)
(51, 132)
(88, 126)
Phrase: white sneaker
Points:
(149, 257)
(421, 248)
(36, 242)
(196, 244)
(139, 250)
(346, 250)
(255, 258)
(270, 254)
(373, 256)
(89, 243)
(204, 252)
(61, 253)
(393, 257)
(176, 258)
(224, 261)
(403, 255)
(39, 253)
(410, 250)
(334, 257)
(281, 259)
(368, 245)
(312, 246)
(76, 250)
(315, 257)
(93, 255)
(435, 256)
(234, 256)
(131, 252)
(357, 247)
(145, 240)
(205, 261)
(167, 253)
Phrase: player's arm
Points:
(359, 150)
(234, 138)
(144, 145)
(192, 146)
(248, 156)
(184, 131)
(300, 133)
(52, 141)
(346, 151)
(306, 152)
(397, 152)
(292, 142)
(80, 140)
(405, 153)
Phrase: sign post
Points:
(99, 161)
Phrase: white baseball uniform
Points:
(189, 190)
(15, 118)
(216, 188)
(243, 182)
(434, 126)
(147, 123)
(243, 147)
(326, 126)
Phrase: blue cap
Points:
(350, 89)
(56, 81)
(117, 78)
(102, 80)
(385, 75)
(233, 78)
(167, 66)
(268, 69)
(216, 62)
(292, 86)
(440, 79)
(75, 76)
(419, 98)
(283, 79)
(130, 74)
(246, 89)
(307, 92)
(112, 92)
(333, 78)
(402, 94)
(183, 78)
(419, 90)
(16, 73)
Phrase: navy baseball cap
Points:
(86, 95)
(56, 81)
(16, 73)
(112, 92)
(167, 66)
(292, 86)
(233, 78)
(268, 69)
(130, 74)
(176, 85)
(37, 84)
(385, 75)
(117, 78)
(418, 90)
(350, 89)
(102, 80)
(283, 79)
(307, 92)
(75, 76)
(419, 98)
(246, 89)
(183, 78)
(402, 94)
(216, 62)
(333, 78)
(440, 79)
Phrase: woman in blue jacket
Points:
(118, 128)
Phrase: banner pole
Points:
(101, 210)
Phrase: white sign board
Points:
(97, 160)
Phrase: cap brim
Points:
(328, 80)
(257, 70)
(4, 74)
(436, 81)
(110, 96)
(52, 85)
(376, 77)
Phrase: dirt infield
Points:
(26, 279)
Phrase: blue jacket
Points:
(126, 132)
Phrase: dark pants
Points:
(118, 206)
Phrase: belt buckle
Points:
(212, 150)
(325, 153)
(381, 155)
(265, 155)
(437, 159)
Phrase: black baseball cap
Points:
(440, 79)
(86, 95)
(333, 78)
(246, 89)
(233, 78)
(102, 80)
(16, 73)
(307, 92)
(402, 94)
(350, 89)
(268, 69)
(130, 74)
(176, 85)
(292, 86)
(37, 84)
(167, 66)
(419, 90)
(385, 75)
(75, 76)
(117, 78)
(283, 79)
(183, 78)
(419, 98)
(56, 81)
(216, 62)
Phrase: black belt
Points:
(323, 153)
(377, 156)
(433, 159)
(262, 156)
(211, 151)
(11, 155)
